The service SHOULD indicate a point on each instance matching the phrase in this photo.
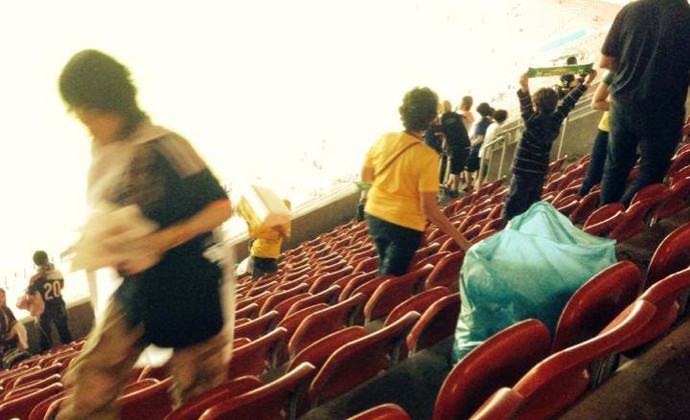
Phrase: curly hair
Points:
(484, 109)
(418, 109)
(546, 100)
(94, 80)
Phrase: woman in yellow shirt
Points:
(403, 173)
(265, 247)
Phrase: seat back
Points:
(498, 362)
(446, 272)
(319, 351)
(437, 322)
(40, 410)
(596, 303)
(585, 207)
(417, 303)
(360, 360)
(21, 406)
(324, 281)
(257, 356)
(670, 256)
(382, 412)
(324, 322)
(275, 400)
(276, 298)
(290, 324)
(193, 408)
(325, 296)
(255, 328)
(666, 295)
(634, 219)
(152, 402)
(394, 291)
(559, 380)
(604, 219)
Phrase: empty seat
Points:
(670, 256)
(382, 412)
(635, 217)
(446, 272)
(21, 406)
(151, 402)
(498, 362)
(394, 291)
(360, 360)
(275, 400)
(596, 303)
(192, 409)
(257, 356)
(255, 328)
(327, 296)
(561, 379)
(417, 303)
(320, 324)
(437, 322)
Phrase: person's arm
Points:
(608, 62)
(367, 174)
(159, 242)
(434, 214)
(600, 99)
(525, 98)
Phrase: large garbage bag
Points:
(528, 270)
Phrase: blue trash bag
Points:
(528, 270)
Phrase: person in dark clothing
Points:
(648, 49)
(457, 145)
(48, 283)
(170, 295)
(543, 120)
(476, 140)
(567, 81)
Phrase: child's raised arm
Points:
(525, 99)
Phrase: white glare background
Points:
(286, 93)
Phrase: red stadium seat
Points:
(319, 351)
(501, 406)
(604, 219)
(152, 402)
(324, 281)
(360, 360)
(437, 322)
(328, 296)
(31, 386)
(40, 411)
(431, 259)
(446, 272)
(596, 303)
(21, 406)
(324, 322)
(355, 282)
(247, 311)
(666, 296)
(192, 409)
(499, 362)
(418, 303)
(258, 356)
(278, 297)
(670, 256)
(677, 200)
(585, 207)
(634, 219)
(368, 264)
(394, 291)
(255, 328)
(290, 324)
(273, 401)
(561, 379)
(32, 376)
(382, 412)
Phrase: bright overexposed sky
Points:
(286, 93)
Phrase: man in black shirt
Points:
(48, 282)
(648, 49)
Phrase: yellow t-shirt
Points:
(395, 194)
(267, 242)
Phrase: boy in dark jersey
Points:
(48, 282)
(174, 300)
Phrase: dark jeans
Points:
(57, 316)
(443, 167)
(395, 245)
(656, 132)
(525, 190)
(595, 170)
(261, 266)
